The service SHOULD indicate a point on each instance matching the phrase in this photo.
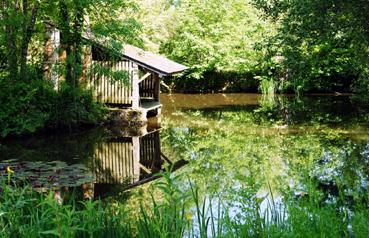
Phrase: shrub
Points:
(24, 107)
(29, 106)
(75, 106)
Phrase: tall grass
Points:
(267, 86)
(27, 213)
(179, 211)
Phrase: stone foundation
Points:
(134, 119)
(126, 117)
(129, 122)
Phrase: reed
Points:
(178, 213)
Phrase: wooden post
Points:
(157, 87)
(136, 158)
(86, 64)
(86, 53)
(52, 46)
(157, 149)
(135, 87)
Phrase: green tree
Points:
(17, 26)
(22, 21)
(324, 44)
(217, 36)
(72, 17)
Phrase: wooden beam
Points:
(136, 158)
(148, 171)
(135, 87)
(144, 77)
(157, 87)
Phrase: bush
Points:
(24, 107)
(29, 106)
(26, 213)
(75, 106)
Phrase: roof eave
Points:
(155, 70)
(89, 38)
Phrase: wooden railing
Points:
(150, 87)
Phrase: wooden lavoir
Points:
(140, 92)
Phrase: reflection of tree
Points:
(69, 147)
(288, 110)
(341, 174)
(301, 110)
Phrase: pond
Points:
(246, 148)
(232, 145)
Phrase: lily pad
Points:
(54, 174)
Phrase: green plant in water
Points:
(267, 86)
(165, 219)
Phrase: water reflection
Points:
(285, 110)
(265, 151)
(106, 162)
(126, 162)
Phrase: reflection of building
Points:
(128, 161)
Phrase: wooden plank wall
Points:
(113, 163)
(107, 91)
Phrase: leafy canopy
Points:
(324, 43)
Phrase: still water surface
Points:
(232, 143)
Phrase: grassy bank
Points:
(178, 211)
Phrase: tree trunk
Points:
(77, 38)
(28, 29)
(11, 50)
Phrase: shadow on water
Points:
(102, 161)
(281, 109)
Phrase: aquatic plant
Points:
(53, 174)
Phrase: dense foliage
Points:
(27, 213)
(323, 45)
(217, 39)
(25, 107)
(28, 107)
(216, 36)
(285, 46)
